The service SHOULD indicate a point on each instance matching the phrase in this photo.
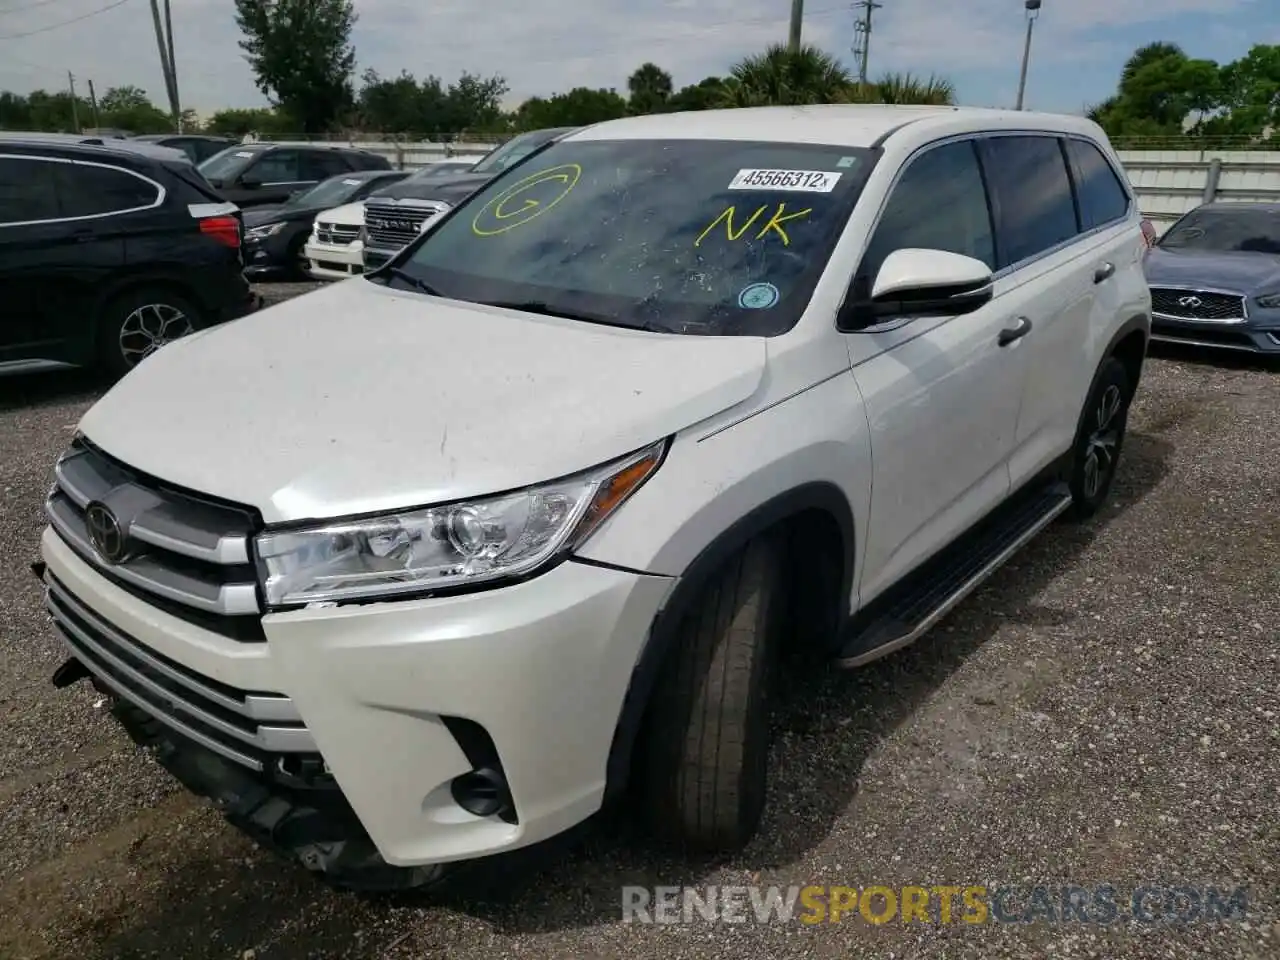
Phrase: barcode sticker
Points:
(797, 181)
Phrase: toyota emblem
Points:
(109, 540)
(1190, 302)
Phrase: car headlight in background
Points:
(457, 544)
(263, 231)
(1269, 301)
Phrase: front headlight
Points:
(457, 544)
(1269, 301)
(264, 231)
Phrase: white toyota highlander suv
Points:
(669, 397)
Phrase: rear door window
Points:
(1031, 195)
(28, 191)
(1103, 197)
(278, 166)
(322, 166)
(89, 190)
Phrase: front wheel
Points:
(708, 735)
(136, 324)
(1099, 438)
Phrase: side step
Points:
(908, 610)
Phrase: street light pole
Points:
(797, 18)
(1033, 8)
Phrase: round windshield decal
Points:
(525, 200)
(759, 296)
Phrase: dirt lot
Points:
(1106, 710)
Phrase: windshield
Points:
(442, 168)
(1226, 231)
(513, 150)
(329, 193)
(692, 236)
(227, 164)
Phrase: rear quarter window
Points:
(1103, 197)
(88, 190)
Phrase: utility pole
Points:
(75, 114)
(862, 36)
(797, 17)
(166, 65)
(1033, 9)
(93, 102)
(173, 67)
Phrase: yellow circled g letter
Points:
(509, 215)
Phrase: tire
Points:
(707, 736)
(299, 266)
(1099, 439)
(135, 324)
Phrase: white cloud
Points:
(549, 46)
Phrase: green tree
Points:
(1250, 94)
(15, 111)
(301, 55)
(1161, 89)
(649, 88)
(780, 77)
(474, 103)
(904, 88)
(129, 108)
(707, 94)
(578, 107)
(264, 122)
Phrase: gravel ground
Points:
(1105, 710)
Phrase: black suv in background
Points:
(196, 146)
(107, 253)
(400, 212)
(252, 174)
(274, 236)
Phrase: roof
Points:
(103, 146)
(854, 125)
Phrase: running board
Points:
(910, 609)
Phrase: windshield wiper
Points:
(420, 285)
(542, 308)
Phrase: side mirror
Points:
(913, 281)
(249, 183)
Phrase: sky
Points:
(542, 48)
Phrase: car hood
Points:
(1245, 273)
(298, 413)
(349, 214)
(450, 189)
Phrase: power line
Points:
(65, 23)
(27, 6)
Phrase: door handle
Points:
(1104, 272)
(1019, 330)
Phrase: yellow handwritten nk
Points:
(774, 223)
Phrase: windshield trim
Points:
(815, 272)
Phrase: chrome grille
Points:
(247, 728)
(396, 224)
(189, 556)
(337, 234)
(1201, 305)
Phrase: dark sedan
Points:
(275, 235)
(1215, 278)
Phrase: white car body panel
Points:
(277, 389)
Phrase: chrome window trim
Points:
(161, 193)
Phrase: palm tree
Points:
(650, 88)
(779, 77)
(904, 88)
